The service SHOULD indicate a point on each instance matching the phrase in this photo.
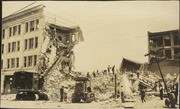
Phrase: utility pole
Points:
(154, 53)
(115, 85)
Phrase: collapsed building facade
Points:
(168, 42)
(129, 65)
(32, 42)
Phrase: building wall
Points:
(21, 38)
(167, 67)
(168, 40)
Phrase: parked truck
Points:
(82, 92)
(28, 86)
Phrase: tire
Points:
(18, 97)
(42, 96)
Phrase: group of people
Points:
(172, 94)
(108, 71)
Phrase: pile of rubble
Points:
(57, 59)
(103, 86)
(8, 97)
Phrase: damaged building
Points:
(167, 42)
(32, 42)
(128, 65)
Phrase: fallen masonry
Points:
(56, 60)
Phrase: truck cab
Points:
(82, 92)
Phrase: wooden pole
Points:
(161, 74)
(115, 86)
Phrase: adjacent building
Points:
(167, 42)
(29, 35)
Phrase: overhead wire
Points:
(23, 8)
(55, 20)
(61, 17)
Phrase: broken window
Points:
(12, 62)
(26, 27)
(14, 30)
(10, 31)
(167, 41)
(156, 42)
(18, 45)
(60, 38)
(25, 61)
(160, 54)
(30, 60)
(19, 29)
(13, 46)
(31, 40)
(176, 39)
(168, 54)
(9, 47)
(2, 48)
(176, 53)
(17, 62)
(3, 33)
(8, 63)
(32, 25)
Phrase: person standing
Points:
(108, 69)
(161, 92)
(122, 94)
(88, 75)
(172, 100)
(61, 93)
(113, 69)
(142, 93)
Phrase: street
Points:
(151, 102)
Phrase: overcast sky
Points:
(111, 29)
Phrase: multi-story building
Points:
(23, 35)
(167, 42)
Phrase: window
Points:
(167, 41)
(176, 39)
(13, 46)
(9, 47)
(31, 40)
(2, 48)
(1, 64)
(29, 60)
(36, 42)
(10, 31)
(26, 27)
(176, 54)
(25, 44)
(19, 29)
(168, 54)
(17, 62)
(37, 24)
(3, 33)
(8, 63)
(25, 61)
(12, 62)
(14, 30)
(32, 26)
(35, 60)
(18, 45)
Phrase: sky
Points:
(112, 29)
